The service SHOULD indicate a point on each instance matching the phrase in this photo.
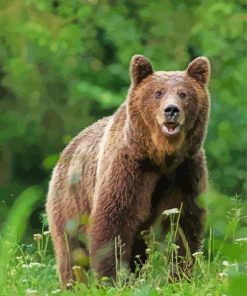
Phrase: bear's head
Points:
(173, 106)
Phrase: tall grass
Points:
(220, 266)
(15, 227)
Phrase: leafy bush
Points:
(64, 64)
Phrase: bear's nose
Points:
(171, 111)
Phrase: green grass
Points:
(220, 267)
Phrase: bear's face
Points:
(169, 102)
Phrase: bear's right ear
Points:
(140, 68)
(199, 69)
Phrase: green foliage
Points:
(14, 227)
(64, 64)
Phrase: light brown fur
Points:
(122, 171)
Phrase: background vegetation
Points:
(64, 64)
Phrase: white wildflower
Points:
(171, 212)
(222, 274)
(76, 267)
(31, 292)
(228, 264)
(197, 254)
(35, 264)
(37, 237)
(25, 266)
(55, 291)
(47, 233)
(241, 240)
(225, 263)
(175, 246)
(105, 279)
(69, 285)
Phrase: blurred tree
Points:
(63, 64)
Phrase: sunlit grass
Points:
(220, 266)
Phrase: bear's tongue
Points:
(170, 129)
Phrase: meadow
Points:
(220, 265)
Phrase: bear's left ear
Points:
(140, 68)
(199, 69)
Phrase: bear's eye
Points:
(158, 94)
(183, 95)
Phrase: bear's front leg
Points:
(189, 238)
(192, 181)
(188, 241)
(117, 214)
(111, 243)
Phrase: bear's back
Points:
(77, 163)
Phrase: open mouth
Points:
(170, 128)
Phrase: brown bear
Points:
(126, 169)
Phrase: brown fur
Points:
(123, 171)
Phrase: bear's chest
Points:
(165, 191)
(165, 177)
(162, 186)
